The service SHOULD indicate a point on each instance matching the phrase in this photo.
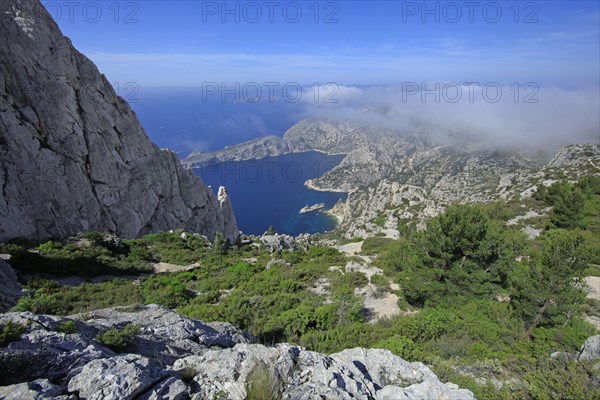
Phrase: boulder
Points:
(590, 349)
(278, 242)
(10, 288)
(38, 389)
(122, 377)
(277, 262)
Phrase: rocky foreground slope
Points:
(74, 155)
(173, 357)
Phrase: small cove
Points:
(271, 191)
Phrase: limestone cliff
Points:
(74, 156)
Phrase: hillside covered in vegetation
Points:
(479, 301)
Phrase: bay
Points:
(271, 192)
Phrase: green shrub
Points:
(354, 279)
(380, 281)
(166, 290)
(324, 253)
(49, 247)
(401, 346)
(41, 302)
(139, 253)
(11, 332)
(463, 253)
(561, 379)
(380, 220)
(377, 245)
(96, 237)
(542, 289)
(573, 204)
(169, 247)
(68, 327)
(430, 323)
(119, 339)
(351, 240)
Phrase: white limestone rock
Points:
(122, 377)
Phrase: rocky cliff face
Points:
(173, 357)
(73, 154)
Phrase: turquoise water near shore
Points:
(271, 191)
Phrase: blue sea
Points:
(271, 191)
(182, 119)
(265, 192)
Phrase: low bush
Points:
(11, 332)
(376, 245)
(119, 339)
(67, 327)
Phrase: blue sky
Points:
(186, 43)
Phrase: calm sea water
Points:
(271, 191)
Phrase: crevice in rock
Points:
(5, 183)
(148, 226)
(88, 163)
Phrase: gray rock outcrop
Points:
(230, 229)
(38, 389)
(575, 154)
(277, 242)
(74, 156)
(10, 288)
(277, 262)
(174, 358)
(121, 377)
(590, 349)
(305, 375)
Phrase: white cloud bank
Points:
(521, 116)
